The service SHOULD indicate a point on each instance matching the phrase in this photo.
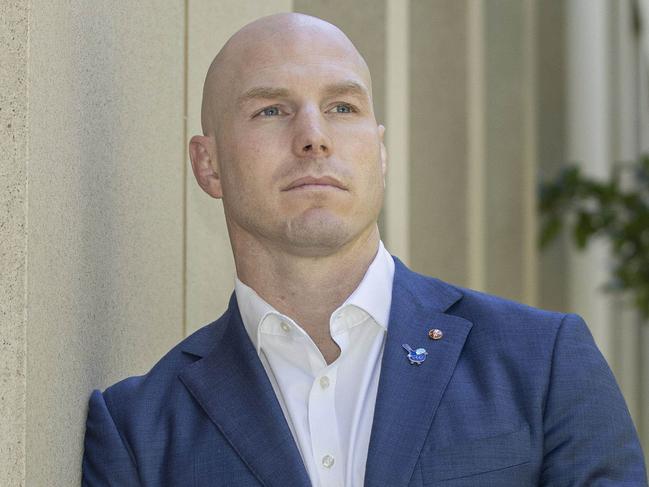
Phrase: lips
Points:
(310, 182)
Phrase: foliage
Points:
(611, 209)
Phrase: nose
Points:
(311, 138)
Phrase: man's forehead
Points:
(349, 87)
(312, 43)
(274, 42)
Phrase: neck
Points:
(309, 288)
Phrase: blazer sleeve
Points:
(589, 437)
(106, 459)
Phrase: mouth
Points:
(315, 183)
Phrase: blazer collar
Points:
(408, 395)
(230, 384)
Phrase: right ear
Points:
(202, 152)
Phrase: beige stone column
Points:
(551, 139)
(472, 144)
(510, 162)
(588, 114)
(439, 138)
(13, 237)
(104, 211)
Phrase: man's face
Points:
(300, 155)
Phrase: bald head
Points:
(291, 144)
(267, 42)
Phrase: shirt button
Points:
(327, 461)
(285, 327)
(324, 381)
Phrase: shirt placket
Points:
(325, 437)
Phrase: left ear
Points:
(384, 153)
(202, 153)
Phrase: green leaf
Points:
(551, 228)
(583, 229)
(607, 209)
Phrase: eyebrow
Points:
(346, 88)
(264, 93)
(335, 89)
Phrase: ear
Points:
(202, 152)
(384, 153)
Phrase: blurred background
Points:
(111, 254)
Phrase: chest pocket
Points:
(472, 457)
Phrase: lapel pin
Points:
(435, 334)
(417, 356)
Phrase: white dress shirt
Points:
(329, 408)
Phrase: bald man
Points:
(335, 365)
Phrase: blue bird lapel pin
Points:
(417, 356)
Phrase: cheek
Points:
(256, 157)
(361, 138)
(245, 164)
(243, 182)
(364, 153)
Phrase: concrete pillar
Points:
(473, 162)
(508, 167)
(13, 237)
(396, 208)
(551, 139)
(439, 139)
(104, 211)
(589, 144)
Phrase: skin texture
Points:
(292, 147)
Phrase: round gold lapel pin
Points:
(435, 334)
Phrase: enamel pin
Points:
(435, 334)
(417, 356)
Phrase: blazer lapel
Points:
(408, 395)
(231, 385)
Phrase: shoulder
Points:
(524, 365)
(143, 395)
(495, 314)
(516, 329)
(487, 312)
(499, 326)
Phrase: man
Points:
(334, 365)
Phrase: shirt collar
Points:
(373, 295)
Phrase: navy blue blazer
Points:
(510, 396)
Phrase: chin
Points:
(317, 235)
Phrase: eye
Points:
(269, 112)
(343, 108)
